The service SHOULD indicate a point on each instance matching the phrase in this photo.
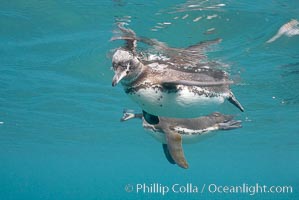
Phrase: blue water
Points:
(60, 135)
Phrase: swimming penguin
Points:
(175, 84)
(173, 131)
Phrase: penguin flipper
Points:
(171, 84)
(174, 144)
(128, 35)
(232, 99)
(167, 154)
(203, 45)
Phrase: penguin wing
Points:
(174, 144)
(178, 57)
(203, 45)
(170, 84)
(193, 55)
(128, 35)
(182, 57)
(167, 154)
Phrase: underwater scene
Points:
(213, 85)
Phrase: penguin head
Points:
(217, 117)
(125, 66)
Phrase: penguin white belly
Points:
(182, 103)
(186, 139)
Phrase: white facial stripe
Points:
(128, 67)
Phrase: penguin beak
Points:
(127, 116)
(118, 76)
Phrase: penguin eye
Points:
(122, 65)
(132, 65)
(114, 66)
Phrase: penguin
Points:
(172, 132)
(176, 84)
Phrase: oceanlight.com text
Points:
(190, 188)
(249, 189)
